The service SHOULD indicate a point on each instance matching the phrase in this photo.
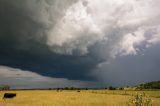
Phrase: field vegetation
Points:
(81, 98)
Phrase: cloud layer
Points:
(72, 27)
(73, 38)
(23, 79)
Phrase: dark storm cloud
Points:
(23, 45)
(60, 66)
(24, 79)
(74, 38)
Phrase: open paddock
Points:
(74, 98)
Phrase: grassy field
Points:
(74, 98)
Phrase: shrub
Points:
(140, 100)
(121, 88)
(112, 88)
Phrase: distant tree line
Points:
(68, 88)
(74, 88)
(4, 87)
(150, 85)
(115, 88)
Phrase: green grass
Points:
(74, 98)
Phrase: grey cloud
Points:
(131, 70)
(69, 27)
(23, 79)
(71, 38)
(23, 39)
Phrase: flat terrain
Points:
(74, 98)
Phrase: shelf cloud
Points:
(73, 39)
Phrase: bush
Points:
(140, 100)
(112, 88)
(121, 88)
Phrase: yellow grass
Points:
(74, 98)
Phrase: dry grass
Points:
(73, 98)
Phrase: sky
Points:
(80, 43)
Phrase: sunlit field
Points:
(74, 98)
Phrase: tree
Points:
(5, 87)
(112, 88)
